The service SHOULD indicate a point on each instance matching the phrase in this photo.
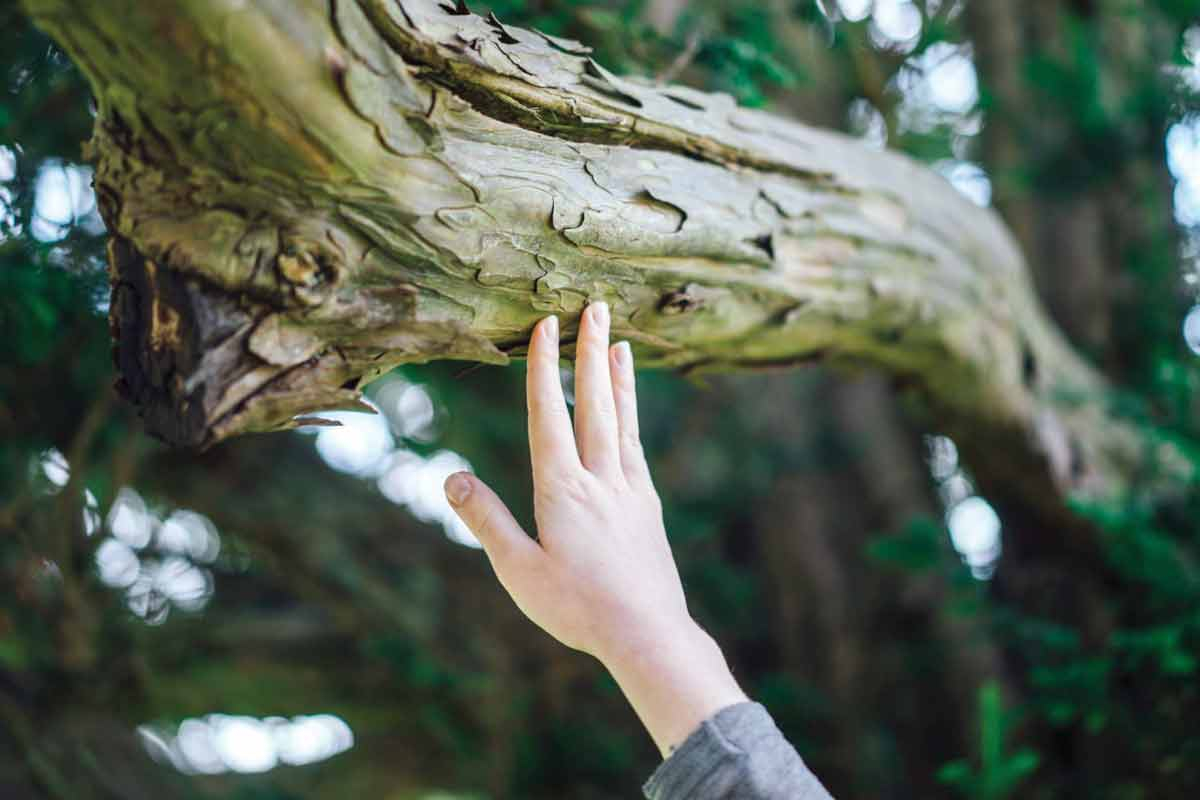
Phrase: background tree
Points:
(870, 649)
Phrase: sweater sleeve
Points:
(737, 754)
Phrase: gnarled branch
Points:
(303, 195)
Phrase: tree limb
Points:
(303, 195)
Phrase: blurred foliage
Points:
(999, 774)
(880, 655)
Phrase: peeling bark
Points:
(303, 195)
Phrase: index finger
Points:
(551, 441)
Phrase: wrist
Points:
(674, 682)
(630, 644)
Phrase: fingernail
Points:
(623, 355)
(458, 488)
(551, 328)
(600, 312)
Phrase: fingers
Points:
(551, 443)
(633, 460)
(595, 414)
(509, 549)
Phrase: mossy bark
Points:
(303, 195)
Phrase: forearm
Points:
(674, 682)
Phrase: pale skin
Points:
(600, 577)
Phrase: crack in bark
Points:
(542, 109)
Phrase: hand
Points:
(600, 578)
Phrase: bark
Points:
(302, 196)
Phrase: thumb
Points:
(506, 543)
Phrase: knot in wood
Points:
(682, 301)
(299, 267)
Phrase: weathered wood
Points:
(303, 195)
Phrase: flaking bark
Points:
(303, 195)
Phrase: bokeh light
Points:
(939, 87)
(967, 178)
(408, 407)
(191, 534)
(55, 468)
(358, 445)
(91, 513)
(8, 171)
(118, 563)
(866, 122)
(129, 520)
(8, 164)
(220, 743)
(855, 10)
(416, 483)
(1189, 74)
(1183, 160)
(943, 457)
(1191, 329)
(973, 525)
(365, 445)
(895, 25)
(975, 531)
(160, 564)
(63, 197)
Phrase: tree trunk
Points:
(302, 196)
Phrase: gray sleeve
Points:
(737, 754)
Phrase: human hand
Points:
(600, 577)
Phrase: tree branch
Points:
(303, 195)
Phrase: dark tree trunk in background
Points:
(1087, 199)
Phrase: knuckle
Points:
(482, 524)
(485, 519)
(639, 480)
(597, 333)
(571, 487)
(633, 457)
(604, 412)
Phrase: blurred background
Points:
(300, 615)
